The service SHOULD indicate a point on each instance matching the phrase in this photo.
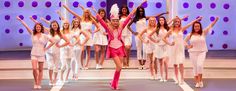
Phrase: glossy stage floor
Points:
(219, 75)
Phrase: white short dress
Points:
(161, 48)
(126, 34)
(99, 38)
(87, 26)
(177, 55)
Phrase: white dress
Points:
(140, 26)
(126, 34)
(150, 46)
(177, 55)
(87, 26)
(161, 48)
(99, 38)
(38, 45)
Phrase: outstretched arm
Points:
(60, 15)
(170, 21)
(191, 23)
(46, 21)
(72, 12)
(102, 22)
(26, 26)
(129, 16)
(158, 15)
(35, 21)
(207, 29)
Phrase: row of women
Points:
(153, 41)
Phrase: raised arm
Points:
(60, 15)
(96, 25)
(35, 21)
(72, 12)
(158, 15)
(191, 23)
(207, 29)
(26, 26)
(82, 7)
(102, 22)
(129, 16)
(170, 21)
(46, 21)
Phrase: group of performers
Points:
(157, 41)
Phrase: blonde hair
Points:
(149, 22)
(73, 22)
(90, 18)
(174, 21)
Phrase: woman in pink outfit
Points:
(115, 48)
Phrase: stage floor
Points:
(125, 85)
(219, 75)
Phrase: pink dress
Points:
(115, 43)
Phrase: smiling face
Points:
(38, 28)
(55, 26)
(197, 28)
(177, 22)
(141, 11)
(102, 14)
(115, 23)
(66, 25)
(75, 23)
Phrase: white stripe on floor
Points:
(58, 86)
(186, 87)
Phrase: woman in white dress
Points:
(197, 49)
(161, 48)
(152, 24)
(39, 48)
(100, 41)
(87, 21)
(177, 55)
(126, 34)
(140, 21)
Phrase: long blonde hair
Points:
(150, 24)
(174, 21)
(90, 18)
(73, 22)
